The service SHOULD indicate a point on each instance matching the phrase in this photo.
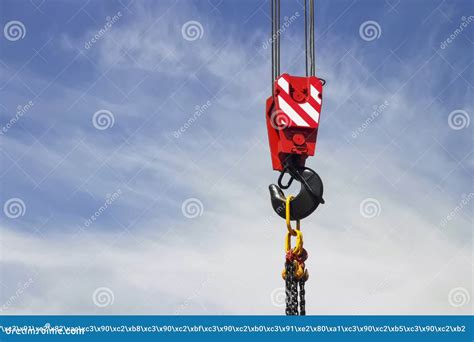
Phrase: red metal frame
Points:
(292, 115)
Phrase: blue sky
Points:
(395, 132)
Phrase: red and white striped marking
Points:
(304, 114)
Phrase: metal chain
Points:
(292, 292)
(288, 281)
(291, 289)
(302, 298)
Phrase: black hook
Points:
(307, 200)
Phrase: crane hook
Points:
(307, 200)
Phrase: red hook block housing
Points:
(292, 115)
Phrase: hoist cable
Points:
(273, 48)
(306, 36)
(310, 56)
(277, 38)
(311, 36)
(314, 50)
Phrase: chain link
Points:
(292, 291)
(302, 299)
(295, 272)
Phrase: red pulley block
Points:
(292, 115)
